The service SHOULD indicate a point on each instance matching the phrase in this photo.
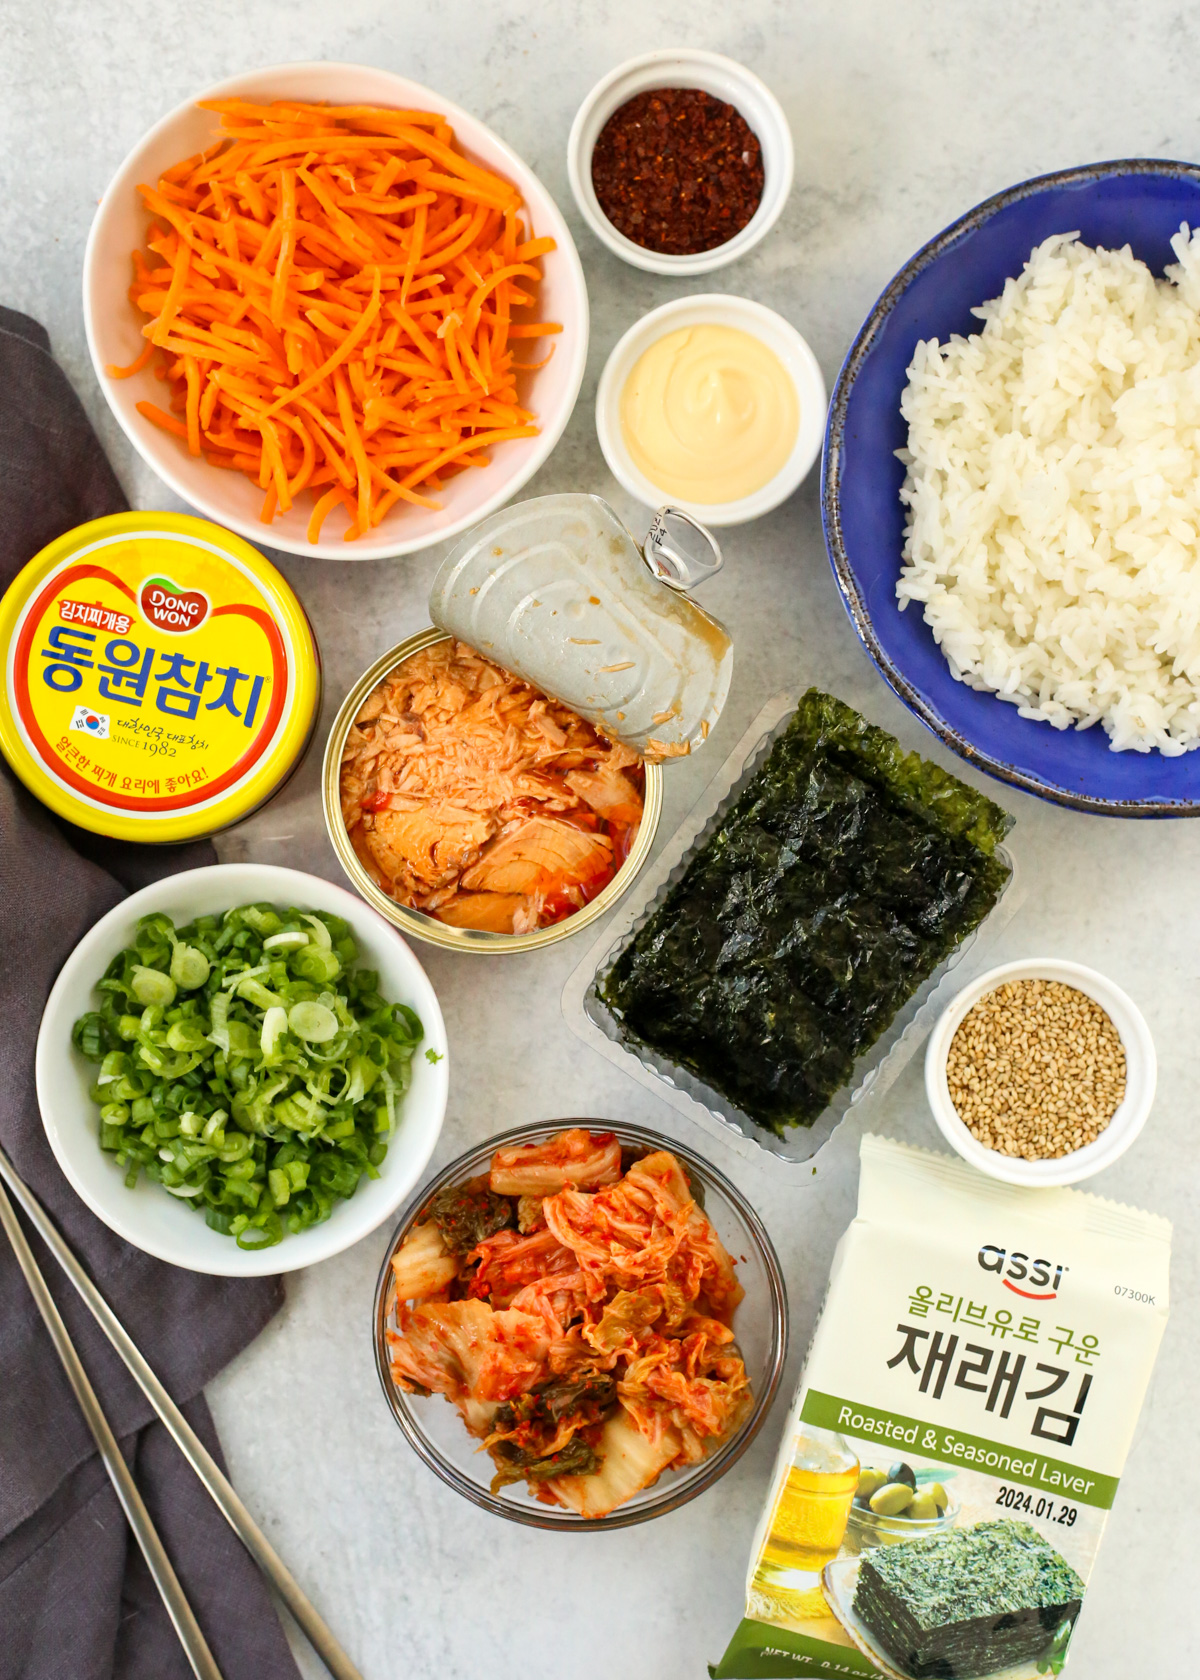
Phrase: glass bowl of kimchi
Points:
(592, 1382)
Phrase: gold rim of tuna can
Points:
(416, 922)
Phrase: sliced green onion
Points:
(114, 1066)
(321, 934)
(292, 1114)
(243, 1040)
(316, 1023)
(214, 1127)
(255, 992)
(261, 1236)
(362, 1074)
(187, 1036)
(260, 917)
(275, 1024)
(247, 1065)
(152, 987)
(317, 965)
(389, 1097)
(218, 1021)
(189, 968)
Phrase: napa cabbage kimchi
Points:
(576, 1306)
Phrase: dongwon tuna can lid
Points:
(160, 677)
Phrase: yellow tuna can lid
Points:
(160, 678)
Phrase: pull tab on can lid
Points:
(557, 591)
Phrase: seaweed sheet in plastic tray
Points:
(592, 1020)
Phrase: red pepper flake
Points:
(678, 171)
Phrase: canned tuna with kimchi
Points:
(476, 813)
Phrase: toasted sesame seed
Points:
(1036, 1069)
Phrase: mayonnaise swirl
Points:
(709, 414)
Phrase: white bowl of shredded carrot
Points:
(334, 312)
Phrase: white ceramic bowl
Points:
(147, 1216)
(1141, 1073)
(721, 309)
(114, 325)
(724, 78)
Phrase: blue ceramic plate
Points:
(1139, 202)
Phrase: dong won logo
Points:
(1041, 1276)
(169, 608)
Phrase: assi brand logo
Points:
(1041, 1277)
(168, 607)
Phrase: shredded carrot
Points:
(191, 373)
(330, 290)
(287, 243)
(136, 366)
(166, 421)
(324, 505)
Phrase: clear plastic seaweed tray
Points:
(591, 1020)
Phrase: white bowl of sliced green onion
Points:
(242, 1069)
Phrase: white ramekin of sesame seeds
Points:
(1041, 1072)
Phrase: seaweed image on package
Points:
(968, 1602)
(845, 872)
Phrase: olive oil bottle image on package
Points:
(808, 1524)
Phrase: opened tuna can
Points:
(494, 783)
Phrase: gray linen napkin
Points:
(76, 1599)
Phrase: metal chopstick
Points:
(165, 1578)
(184, 1436)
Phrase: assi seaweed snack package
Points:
(959, 1432)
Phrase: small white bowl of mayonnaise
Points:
(714, 404)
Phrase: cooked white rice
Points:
(1053, 494)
